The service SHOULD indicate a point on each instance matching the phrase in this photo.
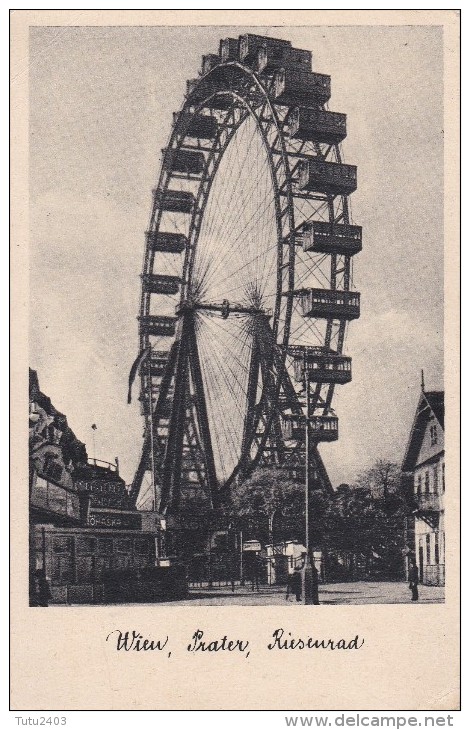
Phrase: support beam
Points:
(252, 391)
(201, 412)
(268, 348)
(173, 457)
(146, 447)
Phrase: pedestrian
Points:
(255, 575)
(42, 592)
(232, 566)
(413, 575)
(315, 598)
(294, 584)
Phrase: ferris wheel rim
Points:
(285, 242)
(335, 329)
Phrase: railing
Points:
(335, 369)
(323, 423)
(158, 325)
(104, 465)
(306, 122)
(428, 502)
(326, 230)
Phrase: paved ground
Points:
(334, 593)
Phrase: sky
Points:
(101, 105)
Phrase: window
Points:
(124, 546)
(436, 548)
(433, 435)
(418, 485)
(102, 563)
(426, 483)
(61, 569)
(141, 547)
(105, 546)
(428, 549)
(38, 539)
(435, 479)
(85, 545)
(84, 567)
(62, 545)
(52, 469)
(39, 493)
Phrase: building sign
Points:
(102, 486)
(114, 520)
(106, 493)
(251, 546)
(98, 500)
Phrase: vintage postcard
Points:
(235, 266)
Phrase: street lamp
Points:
(310, 582)
(307, 465)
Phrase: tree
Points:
(383, 479)
(268, 493)
(361, 525)
(366, 521)
(273, 494)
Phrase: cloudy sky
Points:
(101, 104)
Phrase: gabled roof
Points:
(435, 398)
(430, 403)
(72, 447)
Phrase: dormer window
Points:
(433, 434)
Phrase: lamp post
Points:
(93, 429)
(310, 578)
(272, 563)
(307, 467)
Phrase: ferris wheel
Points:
(246, 286)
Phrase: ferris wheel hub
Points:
(225, 308)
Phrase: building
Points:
(54, 454)
(282, 559)
(424, 465)
(86, 537)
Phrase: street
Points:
(361, 592)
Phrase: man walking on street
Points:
(414, 579)
(294, 584)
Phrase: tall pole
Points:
(309, 583)
(272, 562)
(152, 445)
(307, 464)
(93, 429)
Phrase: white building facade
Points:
(425, 461)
